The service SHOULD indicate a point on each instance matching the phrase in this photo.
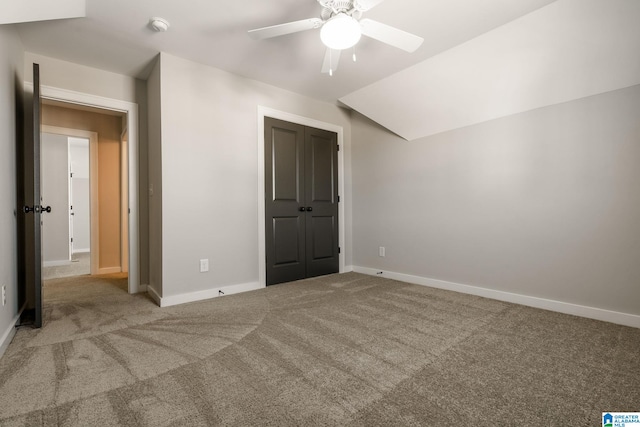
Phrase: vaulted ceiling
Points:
(480, 59)
(565, 51)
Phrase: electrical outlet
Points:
(381, 251)
(4, 295)
(204, 265)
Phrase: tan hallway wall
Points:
(109, 129)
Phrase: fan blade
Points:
(331, 59)
(364, 5)
(288, 28)
(390, 35)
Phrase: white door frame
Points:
(131, 111)
(124, 196)
(293, 118)
(70, 191)
(93, 189)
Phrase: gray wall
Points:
(55, 193)
(67, 75)
(143, 180)
(11, 75)
(543, 203)
(154, 191)
(209, 171)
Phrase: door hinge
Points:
(338, 145)
(71, 175)
(338, 249)
(338, 199)
(72, 240)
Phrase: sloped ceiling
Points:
(115, 37)
(564, 51)
(480, 60)
(15, 11)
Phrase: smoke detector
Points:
(159, 24)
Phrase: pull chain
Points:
(331, 63)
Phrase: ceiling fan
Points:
(341, 27)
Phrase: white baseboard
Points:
(109, 270)
(8, 335)
(347, 269)
(82, 251)
(545, 304)
(201, 295)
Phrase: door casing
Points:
(131, 111)
(93, 191)
(305, 121)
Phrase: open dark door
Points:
(30, 227)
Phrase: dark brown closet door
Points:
(321, 194)
(301, 201)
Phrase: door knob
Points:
(309, 209)
(37, 209)
(302, 209)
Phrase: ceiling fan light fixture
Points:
(340, 32)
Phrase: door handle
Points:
(302, 209)
(36, 209)
(309, 209)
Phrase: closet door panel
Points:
(321, 178)
(285, 226)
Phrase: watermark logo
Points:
(607, 420)
(621, 419)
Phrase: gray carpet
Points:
(338, 350)
(80, 265)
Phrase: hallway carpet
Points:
(80, 265)
(348, 350)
